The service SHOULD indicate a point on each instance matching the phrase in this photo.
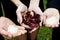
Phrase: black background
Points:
(10, 10)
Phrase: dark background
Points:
(10, 10)
(55, 4)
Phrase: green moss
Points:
(44, 33)
(3, 12)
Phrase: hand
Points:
(51, 12)
(34, 29)
(4, 23)
(33, 32)
(26, 26)
(37, 10)
(21, 30)
(21, 9)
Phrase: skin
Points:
(49, 13)
(35, 7)
(4, 23)
(22, 8)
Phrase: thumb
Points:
(36, 28)
(5, 33)
(38, 10)
(44, 18)
(19, 17)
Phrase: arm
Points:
(20, 8)
(34, 2)
(17, 2)
(34, 5)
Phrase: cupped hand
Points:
(21, 30)
(8, 29)
(4, 23)
(37, 10)
(51, 18)
(21, 9)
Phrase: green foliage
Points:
(44, 2)
(44, 33)
(3, 12)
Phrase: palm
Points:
(50, 13)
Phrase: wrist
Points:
(32, 6)
(34, 2)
